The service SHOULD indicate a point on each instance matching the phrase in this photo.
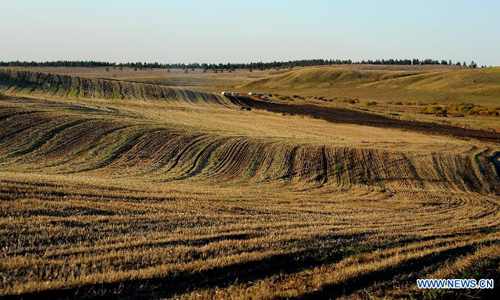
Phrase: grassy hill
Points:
(326, 77)
(483, 82)
(480, 86)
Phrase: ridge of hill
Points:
(481, 86)
(64, 86)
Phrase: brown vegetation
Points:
(163, 192)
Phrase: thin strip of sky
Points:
(244, 31)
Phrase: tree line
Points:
(232, 66)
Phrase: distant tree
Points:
(228, 66)
(464, 64)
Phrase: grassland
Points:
(139, 190)
(481, 86)
(404, 93)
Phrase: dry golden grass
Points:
(480, 86)
(400, 93)
(189, 196)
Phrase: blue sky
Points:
(243, 31)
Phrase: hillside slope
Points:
(63, 86)
(338, 77)
(470, 81)
(481, 85)
(69, 138)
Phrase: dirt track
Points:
(347, 116)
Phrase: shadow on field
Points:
(246, 272)
(414, 267)
(187, 281)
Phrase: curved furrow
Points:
(186, 151)
(171, 144)
(94, 138)
(115, 145)
(203, 158)
(36, 144)
(71, 143)
(64, 149)
(231, 158)
(16, 123)
(152, 151)
(27, 133)
(236, 167)
(55, 85)
(68, 141)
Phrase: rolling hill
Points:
(480, 86)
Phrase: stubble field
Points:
(136, 190)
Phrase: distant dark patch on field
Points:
(347, 116)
